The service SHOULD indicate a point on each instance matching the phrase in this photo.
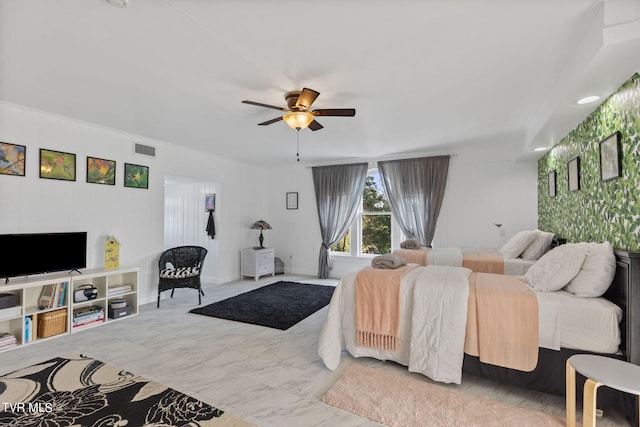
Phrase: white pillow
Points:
(596, 274)
(539, 246)
(518, 243)
(556, 268)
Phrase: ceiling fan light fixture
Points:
(298, 119)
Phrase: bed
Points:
(620, 303)
(515, 257)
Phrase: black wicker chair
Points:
(181, 267)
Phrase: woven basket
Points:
(52, 323)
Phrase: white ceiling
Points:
(424, 76)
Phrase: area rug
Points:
(279, 306)
(397, 400)
(76, 390)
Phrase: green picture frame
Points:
(136, 176)
(101, 171)
(57, 165)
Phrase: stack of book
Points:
(53, 295)
(7, 340)
(88, 315)
(119, 290)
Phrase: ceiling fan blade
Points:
(315, 125)
(343, 112)
(306, 98)
(259, 104)
(268, 122)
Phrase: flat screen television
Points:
(37, 253)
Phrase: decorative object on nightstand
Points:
(260, 225)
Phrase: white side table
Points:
(599, 370)
(257, 262)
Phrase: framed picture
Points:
(101, 171)
(292, 200)
(12, 159)
(57, 165)
(552, 183)
(136, 176)
(573, 168)
(610, 157)
(210, 202)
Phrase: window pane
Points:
(376, 234)
(343, 245)
(373, 197)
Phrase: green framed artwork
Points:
(101, 171)
(136, 176)
(57, 165)
(12, 159)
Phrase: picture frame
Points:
(136, 176)
(573, 174)
(210, 202)
(610, 157)
(292, 200)
(551, 179)
(101, 171)
(57, 165)
(12, 159)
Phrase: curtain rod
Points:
(378, 159)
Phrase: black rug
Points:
(76, 390)
(279, 306)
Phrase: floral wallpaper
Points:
(597, 211)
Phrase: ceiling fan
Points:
(297, 114)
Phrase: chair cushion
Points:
(179, 273)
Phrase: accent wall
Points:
(598, 210)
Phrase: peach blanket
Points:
(502, 321)
(483, 262)
(415, 256)
(378, 307)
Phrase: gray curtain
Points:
(338, 193)
(414, 189)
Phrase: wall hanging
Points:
(136, 176)
(12, 159)
(610, 156)
(101, 171)
(57, 165)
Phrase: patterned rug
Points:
(402, 401)
(80, 391)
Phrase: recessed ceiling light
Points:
(540, 149)
(587, 99)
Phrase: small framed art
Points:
(12, 159)
(136, 176)
(573, 168)
(101, 171)
(210, 202)
(551, 178)
(57, 165)
(610, 157)
(292, 200)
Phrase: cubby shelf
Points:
(28, 291)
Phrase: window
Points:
(371, 231)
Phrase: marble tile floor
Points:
(266, 376)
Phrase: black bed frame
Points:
(549, 375)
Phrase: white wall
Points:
(484, 186)
(185, 221)
(134, 216)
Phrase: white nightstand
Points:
(257, 262)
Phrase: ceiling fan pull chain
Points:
(298, 148)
